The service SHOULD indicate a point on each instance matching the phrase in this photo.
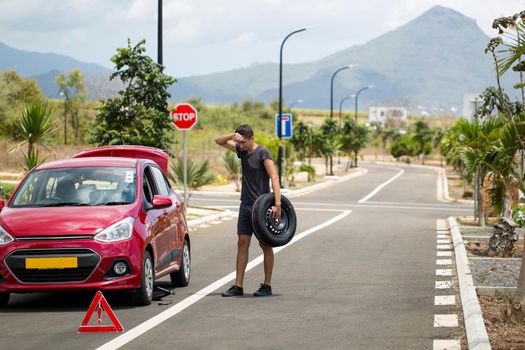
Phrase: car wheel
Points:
(269, 231)
(181, 278)
(144, 294)
(4, 299)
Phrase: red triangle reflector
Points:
(101, 305)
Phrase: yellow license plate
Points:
(52, 263)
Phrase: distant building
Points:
(394, 117)
(471, 102)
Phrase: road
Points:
(360, 275)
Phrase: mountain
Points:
(29, 63)
(431, 61)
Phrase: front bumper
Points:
(91, 262)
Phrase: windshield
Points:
(82, 186)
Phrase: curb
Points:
(205, 219)
(477, 337)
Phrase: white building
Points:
(391, 116)
(471, 101)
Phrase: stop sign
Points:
(184, 116)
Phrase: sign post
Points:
(283, 130)
(184, 117)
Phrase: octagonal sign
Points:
(184, 116)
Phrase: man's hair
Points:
(245, 130)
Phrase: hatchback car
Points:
(107, 219)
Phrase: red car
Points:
(105, 220)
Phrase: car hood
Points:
(67, 221)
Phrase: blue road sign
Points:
(284, 128)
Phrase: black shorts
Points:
(244, 222)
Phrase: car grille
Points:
(87, 261)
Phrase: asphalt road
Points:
(360, 276)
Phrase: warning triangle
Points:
(100, 304)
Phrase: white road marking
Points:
(444, 284)
(444, 246)
(450, 320)
(444, 253)
(192, 299)
(446, 344)
(444, 262)
(445, 300)
(443, 272)
(444, 241)
(380, 187)
(442, 236)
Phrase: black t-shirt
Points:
(255, 178)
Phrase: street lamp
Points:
(357, 97)
(332, 105)
(279, 129)
(341, 107)
(295, 102)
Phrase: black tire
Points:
(4, 299)
(266, 229)
(181, 278)
(144, 294)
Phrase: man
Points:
(257, 168)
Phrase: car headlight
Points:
(119, 231)
(5, 237)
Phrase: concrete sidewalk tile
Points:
(444, 272)
(445, 300)
(444, 253)
(444, 284)
(446, 344)
(449, 320)
(444, 262)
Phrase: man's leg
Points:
(268, 263)
(243, 247)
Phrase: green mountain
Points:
(427, 63)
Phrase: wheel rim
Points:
(186, 261)
(277, 228)
(148, 277)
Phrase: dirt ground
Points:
(503, 335)
(476, 249)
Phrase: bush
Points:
(6, 190)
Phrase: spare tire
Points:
(268, 230)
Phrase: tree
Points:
(404, 146)
(14, 92)
(139, 115)
(423, 136)
(353, 139)
(73, 87)
(330, 132)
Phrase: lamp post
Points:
(332, 106)
(279, 129)
(340, 121)
(357, 97)
(294, 103)
(159, 34)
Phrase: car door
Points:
(171, 239)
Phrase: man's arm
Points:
(276, 186)
(228, 141)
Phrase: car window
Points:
(77, 186)
(147, 185)
(161, 184)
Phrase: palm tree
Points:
(35, 125)
(233, 166)
(198, 175)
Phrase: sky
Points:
(206, 36)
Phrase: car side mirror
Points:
(2, 205)
(161, 202)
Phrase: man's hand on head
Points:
(237, 137)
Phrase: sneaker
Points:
(264, 291)
(234, 291)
